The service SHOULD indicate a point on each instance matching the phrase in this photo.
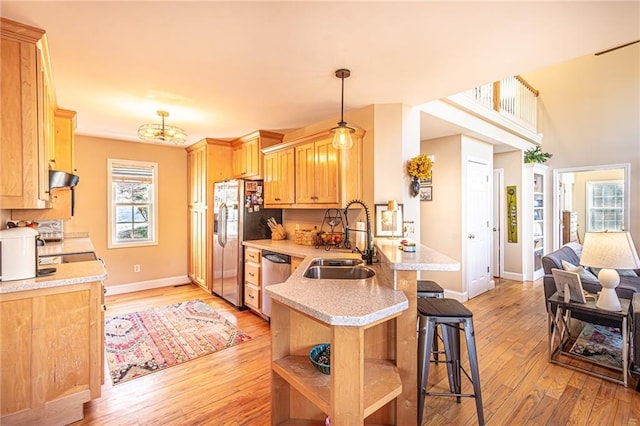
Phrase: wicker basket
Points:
(305, 236)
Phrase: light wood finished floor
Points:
(231, 387)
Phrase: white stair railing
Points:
(512, 97)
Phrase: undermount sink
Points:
(335, 262)
(357, 272)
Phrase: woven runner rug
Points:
(143, 342)
(600, 344)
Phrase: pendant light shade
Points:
(342, 133)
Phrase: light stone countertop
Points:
(66, 274)
(423, 259)
(66, 246)
(340, 302)
(350, 302)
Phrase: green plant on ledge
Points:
(535, 155)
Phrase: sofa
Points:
(629, 288)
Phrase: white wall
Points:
(589, 113)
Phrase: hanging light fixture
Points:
(342, 133)
(162, 133)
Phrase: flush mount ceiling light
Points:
(342, 133)
(162, 133)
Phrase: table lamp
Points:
(609, 251)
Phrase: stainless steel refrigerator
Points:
(238, 216)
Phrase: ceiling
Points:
(225, 69)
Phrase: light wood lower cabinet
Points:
(252, 276)
(364, 381)
(52, 353)
(295, 262)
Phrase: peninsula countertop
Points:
(350, 302)
(65, 274)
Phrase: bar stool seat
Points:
(453, 317)
(428, 288)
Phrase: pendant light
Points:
(342, 133)
(162, 133)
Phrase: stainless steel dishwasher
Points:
(276, 268)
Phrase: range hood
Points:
(59, 179)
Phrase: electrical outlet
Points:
(297, 226)
(136, 268)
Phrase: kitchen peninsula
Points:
(52, 340)
(370, 324)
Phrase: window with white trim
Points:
(605, 206)
(132, 203)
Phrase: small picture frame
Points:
(568, 282)
(388, 224)
(426, 193)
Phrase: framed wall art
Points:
(426, 193)
(388, 222)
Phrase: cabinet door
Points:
(326, 172)
(279, 177)
(237, 161)
(251, 155)
(246, 159)
(25, 183)
(271, 194)
(65, 125)
(197, 170)
(286, 176)
(305, 173)
(198, 246)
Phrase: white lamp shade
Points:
(612, 250)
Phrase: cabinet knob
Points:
(471, 236)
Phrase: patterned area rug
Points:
(600, 344)
(143, 342)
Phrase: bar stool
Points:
(451, 315)
(427, 288)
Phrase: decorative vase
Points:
(414, 187)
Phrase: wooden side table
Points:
(560, 334)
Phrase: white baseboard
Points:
(146, 285)
(514, 276)
(459, 296)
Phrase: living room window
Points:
(605, 206)
(132, 203)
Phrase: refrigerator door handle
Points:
(222, 226)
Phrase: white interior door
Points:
(478, 248)
(498, 214)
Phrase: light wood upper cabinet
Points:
(27, 105)
(317, 173)
(279, 184)
(322, 177)
(65, 125)
(247, 156)
(245, 159)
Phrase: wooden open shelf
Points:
(381, 381)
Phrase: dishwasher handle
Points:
(276, 257)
